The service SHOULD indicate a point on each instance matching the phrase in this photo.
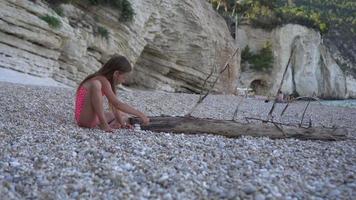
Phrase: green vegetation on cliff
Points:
(335, 19)
(260, 61)
(102, 31)
(317, 14)
(51, 21)
(123, 6)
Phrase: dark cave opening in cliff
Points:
(259, 86)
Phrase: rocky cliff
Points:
(312, 70)
(173, 44)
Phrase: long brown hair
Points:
(116, 63)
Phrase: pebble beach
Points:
(45, 155)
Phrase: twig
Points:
(310, 123)
(307, 97)
(280, 85)
(207, 78)
(235, 113)
(303, 97)
(212, 86)
(273, 122)
(306, 107)
(279, 128)
(271, 110)
(285, 108)
(237, 109)
(294, 125)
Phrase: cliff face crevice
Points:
(173, 45)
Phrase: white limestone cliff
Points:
(312, 70)
(173, 44)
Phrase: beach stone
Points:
(259, 196)
(75, 162)
(249, 188)
(335, 193)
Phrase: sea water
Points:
(349, 103)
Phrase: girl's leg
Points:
(110, 117)
(114, 123)
(97, 102)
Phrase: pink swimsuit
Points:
(79, 104)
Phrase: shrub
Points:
(269, 14)
(58, 10)
(246, 54)
(57, 2)
(103, 32)
(264, 59)
(300, 15)
(123, 6)
(261, 61)
(51, 21)
(127, 11)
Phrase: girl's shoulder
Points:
(103, 80)
(94, 80)
(100, 78)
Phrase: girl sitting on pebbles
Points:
(89, 108)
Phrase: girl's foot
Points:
(106, 128)
(115, 125)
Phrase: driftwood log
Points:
(229, 128)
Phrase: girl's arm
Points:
(119, 118)
(121, 105)
(117, 115)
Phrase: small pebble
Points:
(45, 154)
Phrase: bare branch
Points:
(284, 109)
(237, 109)
(280, 129)
(207, 78)
(270, 121)
(215, 81)
(280, 85)
(306, 107)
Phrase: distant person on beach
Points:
(280, 97)
(89, 106)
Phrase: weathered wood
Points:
(229, 128)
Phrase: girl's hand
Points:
(145, 120)
(115, 125)
(118, 125)
(128, 126)
(124, 123)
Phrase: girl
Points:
(89, 109)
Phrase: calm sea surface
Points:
(350, 103)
